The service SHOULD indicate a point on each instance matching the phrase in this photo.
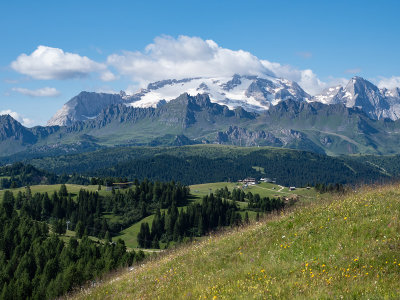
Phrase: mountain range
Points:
(241, 110)
(252, 93)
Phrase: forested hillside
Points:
(19, 174)
(36, 263)
(214, 163)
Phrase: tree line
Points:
(195, 220)
(19, 174)
(255, 201)
(37, 264)
(87, 213)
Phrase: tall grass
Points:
(345, 247)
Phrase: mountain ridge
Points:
(312, 126)
(252, 93)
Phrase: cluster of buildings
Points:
(252, 181)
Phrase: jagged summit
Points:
(248, 92)
(84, 106)
(252, 93)
(359, 92)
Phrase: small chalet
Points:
(249, 180)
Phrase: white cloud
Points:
(43, 92)
(18, 117)
(183, 57)
(165, 58)
(170, 58)
(389, 83)
(307, 79)
(53, 63)
(108, 76)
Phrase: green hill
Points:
(342, 247)
(214, 163)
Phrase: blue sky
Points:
(99, 39)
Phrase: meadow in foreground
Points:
(344, 247)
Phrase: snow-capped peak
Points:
(376, 103)
(253, 93)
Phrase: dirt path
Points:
(275, 191)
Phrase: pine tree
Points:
(107, 237)
(79, 230)
(63, 192)
(246, 218)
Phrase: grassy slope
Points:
(129, 235)
(346, 247)
(263, 189)
(199, 190)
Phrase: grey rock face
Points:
(243, 137)
(12, 129)
(83, 107)
(376, 103)
(159, 84)
(231, 84)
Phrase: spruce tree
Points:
(246, 218)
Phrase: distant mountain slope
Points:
(317, 127)
(84, 106)
(312, 126)
(376, 103)
(252, 93)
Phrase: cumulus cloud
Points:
(108, 76)
(307, 79)
(389, 83)
(18, 117)
(166, 58)
(43, 92)
(53, 63)
(184, 57)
